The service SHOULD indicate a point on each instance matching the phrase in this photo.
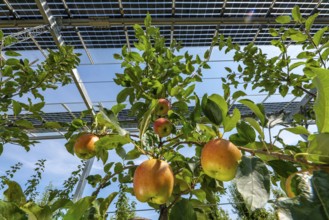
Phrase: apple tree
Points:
(190, 152)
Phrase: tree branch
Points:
(282, 156)
(107, 177)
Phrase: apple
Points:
(84, 146)
(162, 127)
(220, 159)
(163, 107)
(153, 181)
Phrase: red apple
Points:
(220, 159)
(153, 181)
(162, 127)
(163, 107)
(84, 146)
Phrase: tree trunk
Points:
(163, 213)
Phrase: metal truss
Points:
(27, 34)
(55, 32)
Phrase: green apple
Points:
(162, 127)
(153, 181)
(163, 107)
(220, 159)
(84, 146)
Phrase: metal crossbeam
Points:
(106, 22)
(124, 26)
(172, 28)
(84, 46)
(11, 9)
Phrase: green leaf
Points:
(12, 62)
(298, 130)
(136, 57)
(305, 54)
(318, 150)
(189, 67)
(77, 210)
(78, 123)
(112, 141)
(103, 155)
(24, 123)
(10, 211)
(53, 125)
(146, 119)
(106, 203)
(107, 118)
(147, 20)
(70, 144)
(133, 154)
(298, 37)
(118, 168)
(295, 65)
(228, 69)
(296, 14)
(17, 108)
(36, 212)
(196, 113)
(320, 184)
(284, 19)
(321, 105)
(220, 101)
(118, 108)
(1, 148)
(238, 94)
(238, 140)
(246, 132)
(309, 21)
(200, 194)
(325, 54)
(206, 54)
(37, 107)
(117, 56)
(318, 35)
(206, 131)
(182, 210)
(273, 32)
(230, 121)
(14, 193)
(123, 94)
(212, 111)
(120, 152)
(11, 53)
(256, 126)
(60, 203)
(283, 168)
(250, 104)
(107, 167)
(253, 182)
(189, 91)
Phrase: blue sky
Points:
(60, 163)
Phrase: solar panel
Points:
(94, 20)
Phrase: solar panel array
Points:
(191, 22)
